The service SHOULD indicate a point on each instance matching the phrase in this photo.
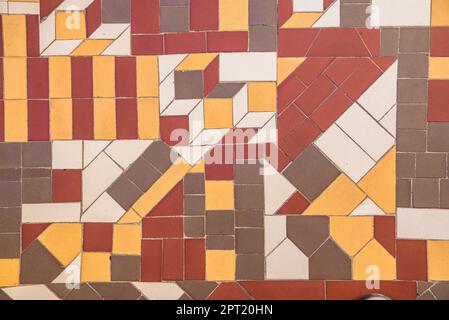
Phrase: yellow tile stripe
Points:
(16, 120)
(103, 76)
(15, 78)
(60, 119)
(104, 119)
(14, 35)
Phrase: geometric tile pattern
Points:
(224, 149)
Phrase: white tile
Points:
(159, 290)
(61, 47)
(168, 63)
(192, 154)
(104, 209)
(196, 121)
(255, 119)
(23, 7)
(240, 105)
(125, 152)
(92, 149)
(71, 5)
(3, 7)
(97, 177)
(365, 131)
(67, 154)
(121, 46)
(267, 134)
(389, 121)
(51, 212)
(180, 107)
(367, 208)
(248, 66)
(47, 32)
(167, 92)
(330, 18)
(109, 30)
(209, 137)
(275, 232)
(33, 292)
(287, 262)
(71, 274)
(277, 190)
(308, 5)
(403, 12)
(345, 153)
(425, 224)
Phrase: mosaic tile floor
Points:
(224, 149)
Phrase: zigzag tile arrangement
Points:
(224, 149)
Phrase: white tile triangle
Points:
(125, 152)
(277, 189)
(71, 274)
(367, 208)
(93, 149)
(168, 63)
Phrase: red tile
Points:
(300, 139)
(288, 91)
(172, 204)
(384, 62)
(371, 38)
(97, 237)
(338, 42)
(38, 120)
(189, 42)
(32, 26)
(30, 232)
(357, 290)
(125, 77)
(385, 233)
(411, 260)
(195, 259)
(327, 3)
(203, 15)
(361, 80)
(1, 37)
(174, 130)
(285, 11)
(282, 159)
(2, 121)
(172, 259)
(82, 77)
(285, 290)
(151, 261)
(314, 95)
(93, 17)
(211, 76)
(227, 41)
(342, 68)
(37, 78)
(219, 171)
(439, 46)
(295, 42)
(83, 119)
(331, 109)
(126, 114)
(66, 185)
(438, 101)
(144, 16)
(311, 68)
(289, 120)
(143, 44)
(48, 6)
(163, 227)
(229, 291)
(295, 205)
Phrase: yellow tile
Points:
(233, 15)
(91, 47)
(351, 233)
(380, 182)
(16, 120)
(219, 195)
(438, 260)
(286, 66)
(196, 61)
(161, 187)
(301, 20)
(373, 255)
(440, 13)
(60, 77)
(220, 265)
(148, 118)
(9, 272)
(70, 25)
(218, 113)
(60, 119)
(439, 67)
(262, 97)
(103, 76)
(15, 78)
(14, 36)
(104, 119)
(340, 198)
(130, 216)
(127, 239)
(147, 76)
(63, 241)
(95, 267)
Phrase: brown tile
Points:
(9, 245)
(411, 259)
(329, 262)
(194, 227)
(198, 290)
(220, 223)
(353, 15)
(389, 38)
(124, 192)
(10, 155)
(125, 268)
(426, 193)
(189, 85)
(444, 193)
(409, 140)
(405, 165)
(248, 174)
(225, 90)
(10, 220)
(38, 266)
(249, 218)
(4, 296)
(412, 91)
(307, 233)
(262, 12)
(249, 240)
(10, 174)
(184, 297)
(422, 286)
(142, 174)
(437, 137)
(414, 39)
(311, 173)
(412, 116)
(220, 242)
(85, 292)
(262, 38)
(426, 296)
(158, 154)
(194, 205)
(441, 290)
(59, 289)
(250, 267)
(431, 165)
(403, 193)
(36, 173)
(10, 194)
(37, 190)
(249, 197)
(174, 19)
(194, 183)
(413, 65)
(116, 291)
(36, 154)
(116, 11)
